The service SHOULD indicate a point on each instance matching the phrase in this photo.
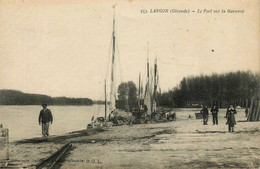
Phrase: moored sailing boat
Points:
(151, 90)
(147, 111)
(151, 112)
(112, 116)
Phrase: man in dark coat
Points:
(45, 118)
(205, 114)
(214, 111)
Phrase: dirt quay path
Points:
(185, 143)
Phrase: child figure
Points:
(230, 115)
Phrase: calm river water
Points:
(22, 121)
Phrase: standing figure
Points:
(45, 118)
(205, 114)
(230, 115)
(214, 111)
(246, 112)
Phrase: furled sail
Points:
(113, 73)
(155, 84)
(151, 87)
(147, 98)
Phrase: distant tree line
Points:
(235, 88)
(14, 97)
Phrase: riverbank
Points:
(184, 143)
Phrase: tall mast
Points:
(147, 68)
(139, 90)
(155, 77)
(155, 84)
(148, 61)
(113, 78)
(105, 100)
(147, 100)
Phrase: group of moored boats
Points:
(147, 110)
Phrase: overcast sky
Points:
(62, 48)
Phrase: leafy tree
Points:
(127, 95)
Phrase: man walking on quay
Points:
(214, 111)
(45, 118)
(205, 114)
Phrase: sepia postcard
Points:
(129, 84)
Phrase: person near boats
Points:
(214, 111)
(205, 114)
(230, 116)
(45, 118)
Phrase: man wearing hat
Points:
(45, 118)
